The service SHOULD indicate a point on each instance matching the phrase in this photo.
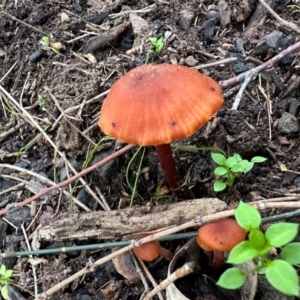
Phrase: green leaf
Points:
(247, 216)
(8, 273)
(219, 186)
(232, 278)
(281, 234)
(241, 253)
(220, 171)
(159, 45)
(230, 161)
(258, 159)
(283, 277)
(237, 168)
(291, 253)
(237, 157)
(2, 269)
(220, 159)
(257, 238)
(153, 40)
(4, 292)
(247, 165)
(265, 249)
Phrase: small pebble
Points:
(186, 19)
(288, 123)
(191, 61)
(77, 8)
(64, 17)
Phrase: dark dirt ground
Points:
(46, 84)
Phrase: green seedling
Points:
(157, 46)
(4, 280)
(231, 168)
(90, 158)
(280, 271)
(133, 188)
(42, 102)
(30, 143)
(294, 6)
(45, 42)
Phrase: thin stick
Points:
(10, 69)
(239, 95)
(66, 182)
(25, 24)
(279, 19)
(11, 130)
(262, 205)
(216, 63)
(46, 181)
(150, 277)
(254, 72)
(140, 272)
(32, 120)
(186, 269)
(32, 265)
(268, 101)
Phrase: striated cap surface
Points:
(157, 104)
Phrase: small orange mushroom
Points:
(219, 236)
(153, 105)
(152, 250)
(148, 251)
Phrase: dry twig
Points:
(186, 269)
(283, 22)
(66, 182)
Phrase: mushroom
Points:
(219, 236)
(152, 250)
(148, 251)
(153, 105)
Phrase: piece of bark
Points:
(103, 39)
(259, 13)
(241, 10)
(224, 13)
(117, 223)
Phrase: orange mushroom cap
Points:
(157, 104)
(221, 235)
(148, 251)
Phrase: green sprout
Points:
(157, 45)
(279, 272)
(133, 187)
(231, 168)
(42, 102)
(90, 158)
(294, 6)
(45, 42)
(4, 280)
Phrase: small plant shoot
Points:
(230, 168)
(157, 46)
(279, 272)
(45, 42)
(4, 281)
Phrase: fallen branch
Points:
(283, 22)
(266, 65)
(110, 224)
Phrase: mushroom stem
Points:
(167, 162)
(218, 261)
